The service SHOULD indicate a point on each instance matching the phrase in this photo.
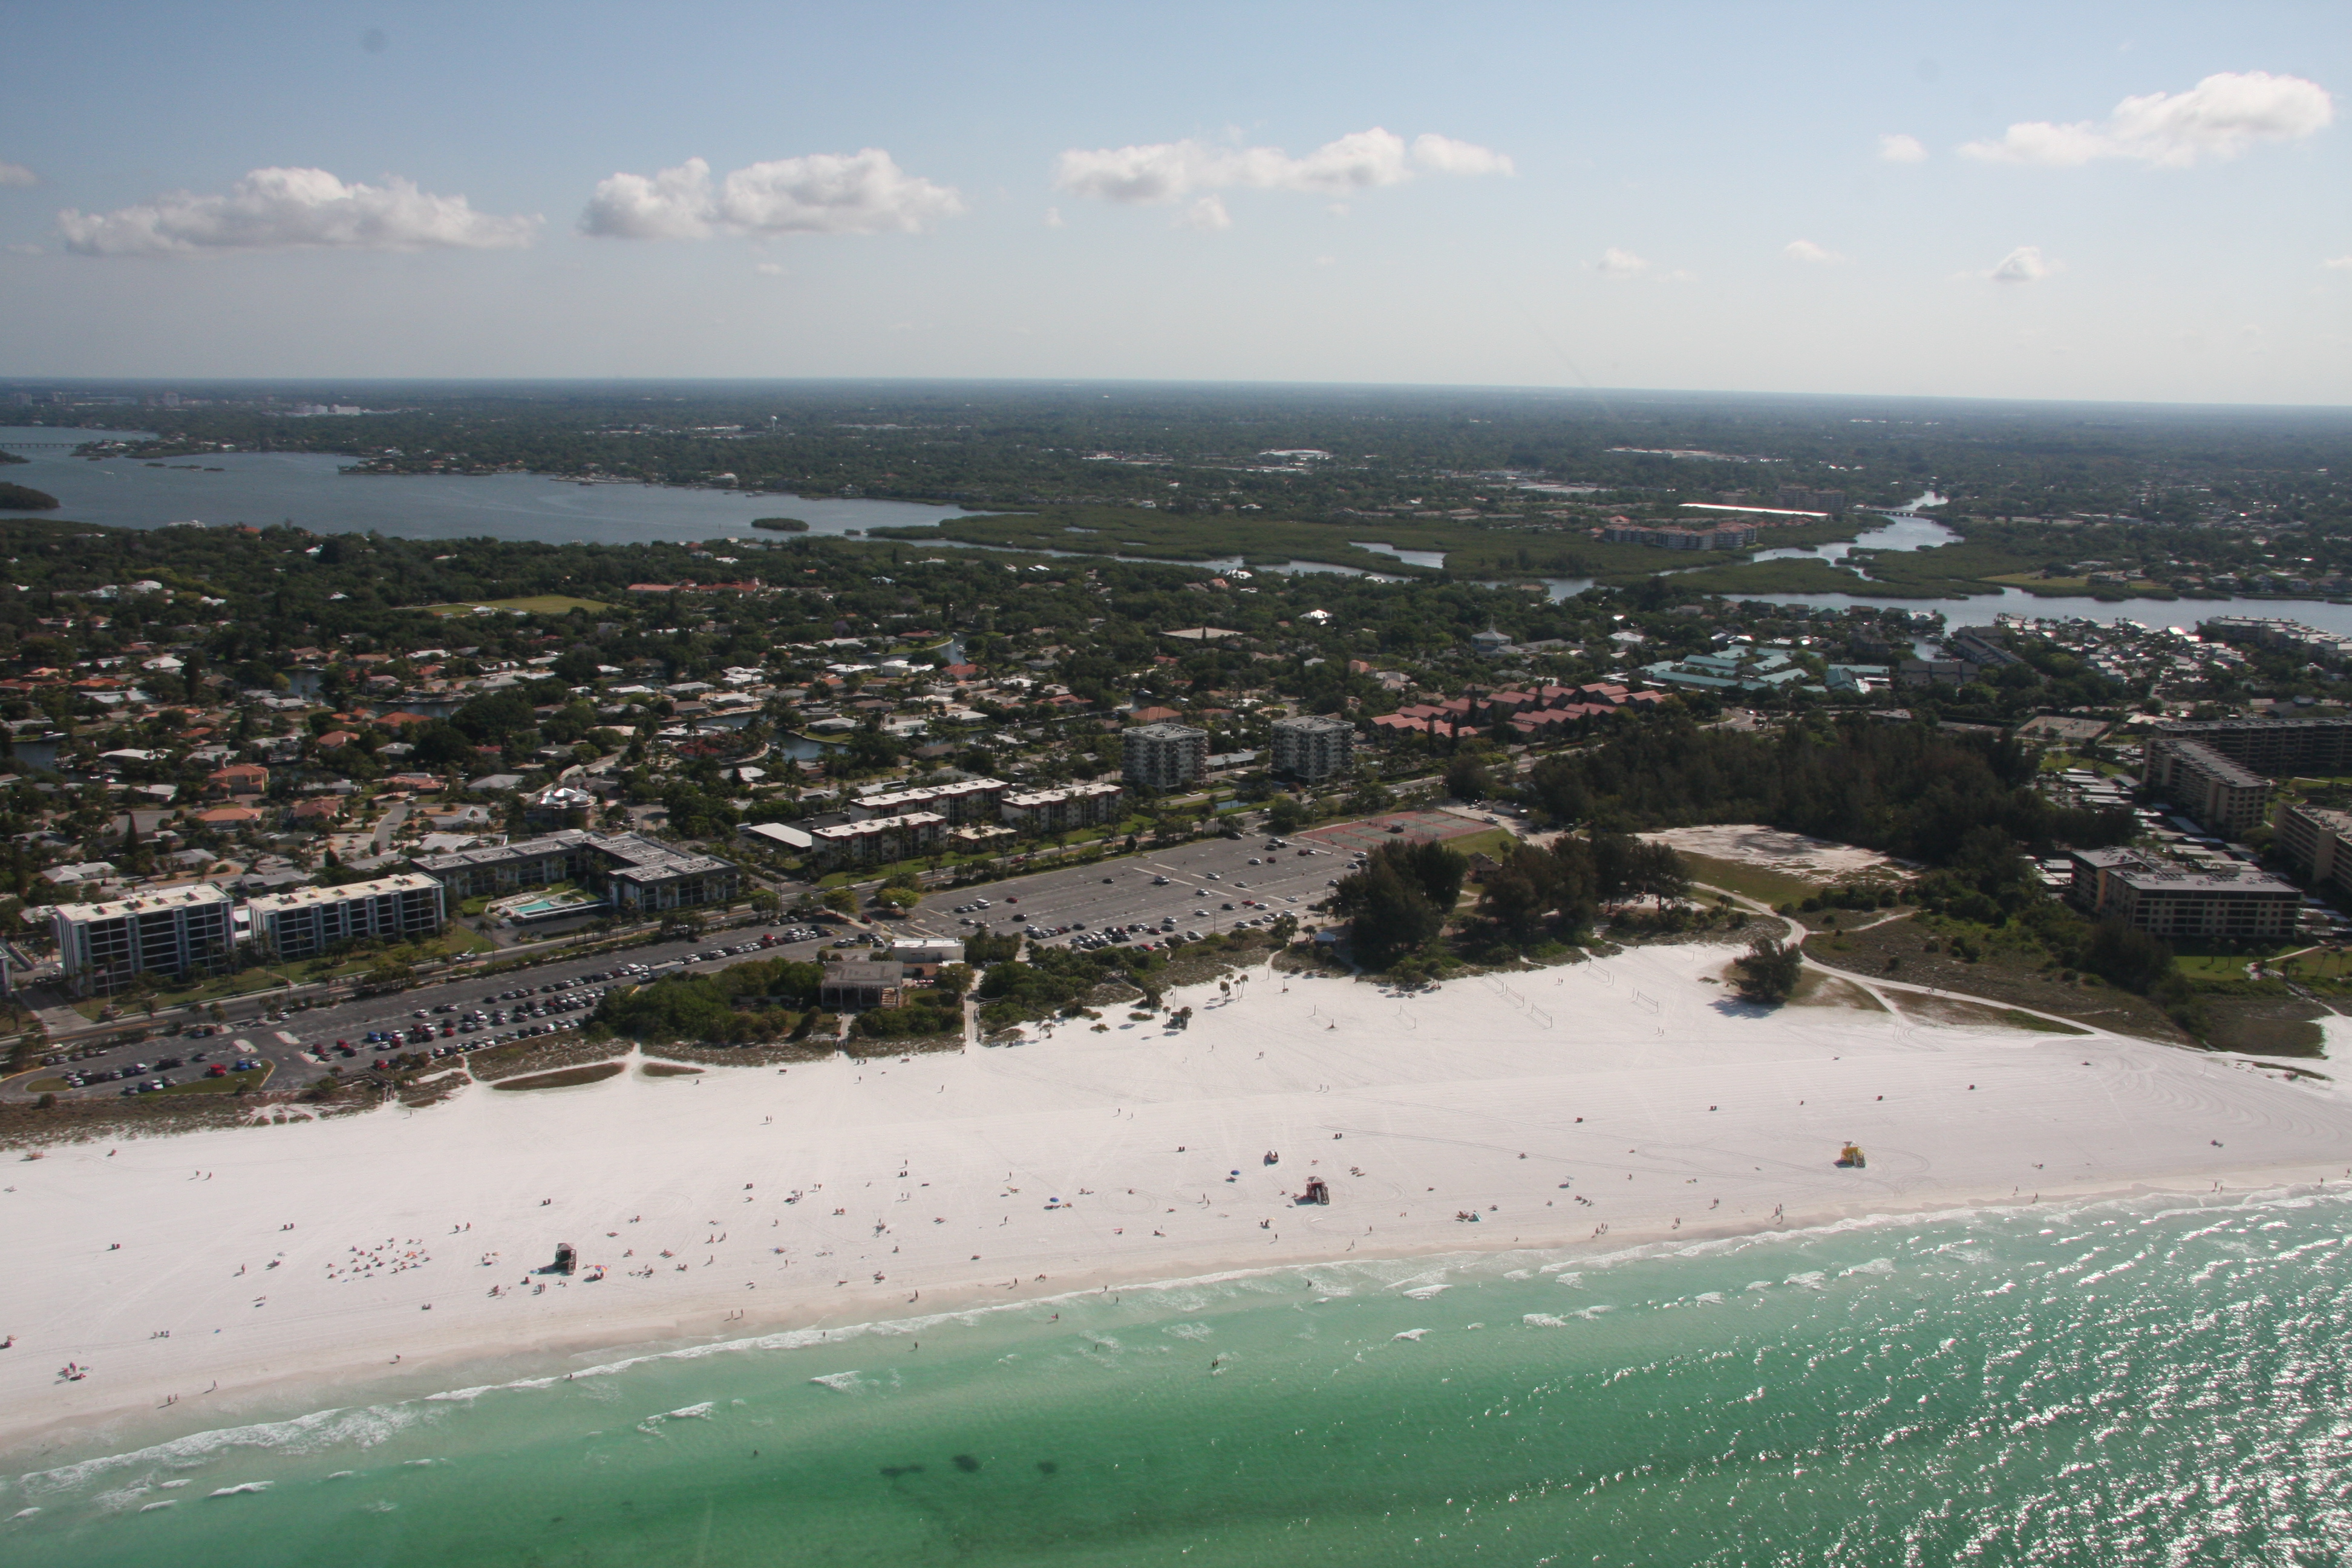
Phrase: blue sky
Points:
(2125, 201)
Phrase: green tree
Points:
(1467, 777)
(1768, 970)
(1399, 902)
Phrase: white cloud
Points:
(2217, 120)
(272, 209)
(2023, 265)
(676, 203)
(1444, 155)
(1169, 171)
(1053, 217)
(2338, 264)
(824, 193)
(17, 174)
(1897, 148)
(1616, 263)
(1207, 213)
(769, 268)
(1806, 251)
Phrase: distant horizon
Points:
(160, 384)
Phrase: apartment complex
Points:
(1062, 810)
(494, 868)
(2321, 747)
(2317, 842)
(302, 922)
(2227, 796)
(1165, 756)
(1314, 747)
(877, 839)
(964, 800)
(2218, 903)
(176, 932)
(1796, 497)
(634, 873)
(626, 870)
(1721, 536)
(2280, 635)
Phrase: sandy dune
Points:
(1013, 1173)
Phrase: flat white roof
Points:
(194, 894)
(311, 897)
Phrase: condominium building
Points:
(1062, 810)
(1165, 756)
(1314, 747)
(2218, 903)
(634, 873)
(1721, 536)
(2316, 842)
(2227, 796)
(494, 868)
(304, 922)
(964, 800)
(628, 871)
(175, 932)
(878, 839)
(2280, 635)
(2320, 747)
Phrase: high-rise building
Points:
(1314, 747)
(175, 932)
(1165, 756)
(2229, 797)
(2315, 747)
(303, 921)
(2316, 842)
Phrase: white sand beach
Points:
(226, 1269)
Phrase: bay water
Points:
(310, 491)
(2130, 1381)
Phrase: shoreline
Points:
(1580, 1111)
(465, 1372)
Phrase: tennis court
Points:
(1410, 826)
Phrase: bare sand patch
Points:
(1790, 854)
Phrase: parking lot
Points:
(1202, 888)
(300, 1047)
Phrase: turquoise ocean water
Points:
(2131, 1381)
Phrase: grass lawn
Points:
(1495, 841)
(242, 983)
(537, 605)
(2218, 965)
(228, 1084)
(1761, 883)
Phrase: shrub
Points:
(1768, 970)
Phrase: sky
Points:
(2142, 201)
